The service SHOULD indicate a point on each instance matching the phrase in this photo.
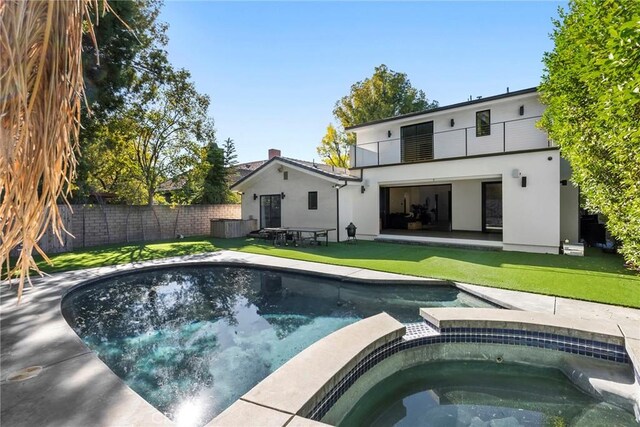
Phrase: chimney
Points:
(274, 153)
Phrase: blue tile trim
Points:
(578, 346)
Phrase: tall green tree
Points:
(220, 162)
(130, 50)
(112, 158)
(230, 161)
(230, 155)
(215, 182)
(171, 125)
(385, 94)
(591, 87)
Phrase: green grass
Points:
(596, 277)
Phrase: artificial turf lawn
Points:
(596, 277)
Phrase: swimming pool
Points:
(192, 340)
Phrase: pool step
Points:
(419, 330)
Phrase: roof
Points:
(448, 107)
(241, 170)
(238, 172)
(173, 184)
(318, 168)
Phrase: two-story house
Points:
(478, 173)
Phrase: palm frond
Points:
(41, 90)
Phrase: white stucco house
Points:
(478, 173)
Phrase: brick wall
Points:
(96, 225)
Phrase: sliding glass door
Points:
(270, 211)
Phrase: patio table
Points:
(299, 235)
(277, 235)
(313, 233)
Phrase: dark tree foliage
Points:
(591, 88)
(130, 50)
(216, 189)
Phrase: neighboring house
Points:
(478, 173)
(169, 188)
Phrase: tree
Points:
(112, 158)
(230, 161)
(147, 122)
(385, 94)
(230, 156)
(591, 87)
(131, 50)
(215, 183)
(220, 162)
(334, 148)
(171, 125)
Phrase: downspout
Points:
(338, 187)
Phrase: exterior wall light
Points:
(522, 110)
(388, 134)
(255, 196)
(362, 189)
(282, 195)
(453, 123)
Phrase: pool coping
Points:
(76, 388)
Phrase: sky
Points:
(274, 70)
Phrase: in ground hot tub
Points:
(488, 368)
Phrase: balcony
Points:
(508, 136)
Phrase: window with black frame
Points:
(483, 123)
(417, 142)
(313, 200)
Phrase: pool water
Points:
(456, 393)
(192, 340)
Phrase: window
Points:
(313, 200)
(417, 142)
(483, 123)
(285, 175)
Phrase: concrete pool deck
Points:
(75, 388)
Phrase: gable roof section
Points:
(447, 107)
(322, 170)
